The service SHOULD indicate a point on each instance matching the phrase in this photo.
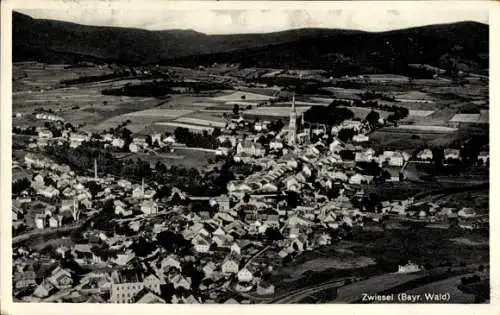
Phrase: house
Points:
(250, 147)
(140, 141)
(484, 156)
(123, 259)
(149, 207)
(133, 147)
(48, 192)
(120, 208)
(45, 134)
(234, 187)
(360, 138)
(44, 289)
(244, 275)
(179, 281)
(39, 221)
(409, 268)
(275, 145)
(127, 283)
(425, 155)
(335, 146)
(467, 213)
(209, 269)
(190, 300)
(363, 156)
(170, 262)
(61, 278)
(202, 244)
(125, 184)
(265, 288)
(324, 239)
(292, 184)
(25, 279)
(53, 222)
(453, 154)
(358, 179)
(223, 202)
(395, 174)
(146, 296)
(231, 264)
(396, 159)
(118, 143)
(338, 176)
(77, 138)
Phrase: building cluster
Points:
(304, 195)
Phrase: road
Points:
(301, 294)
(48, 231)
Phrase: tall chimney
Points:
(95, 169)
(142, 187)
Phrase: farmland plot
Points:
(274, 111)
(242, 96)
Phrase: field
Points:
(407, 140)
(388, 249)
(180, 157)
(343, 262)
(201, 122)
(362, 112)
(450, 286)
(419, 113)
(274, 111)
(160, 113)
(242, 96)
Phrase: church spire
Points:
(292, 126)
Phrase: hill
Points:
(57, 41)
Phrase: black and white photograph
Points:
(249, 156)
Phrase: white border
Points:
(7, 307)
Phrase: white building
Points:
(451, 154)
(244, 275)
(127, 283)
(149, 207)
(360, 138)
(425, 154)
(409, 268)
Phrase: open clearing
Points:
(321, 264)
(274, 111)
(160, 113)
(362, 112)
(468, 242)
(201, 122)
(422, 128)
(406, 140)
(419, 113)
(445, 286)
(242, 96)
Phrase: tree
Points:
(227, 143)
(437, 157)
(94, 188)
(246, 198)
(346, 134)
(292, 199)
(273, 234)
(216, 132)
(20, 185)
(142, 248)
(372, 118)
(236, 109)
(149, 140)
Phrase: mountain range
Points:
(57, 41)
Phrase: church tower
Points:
(292, 126)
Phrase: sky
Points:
(230, 21)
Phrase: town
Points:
(206, 185)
